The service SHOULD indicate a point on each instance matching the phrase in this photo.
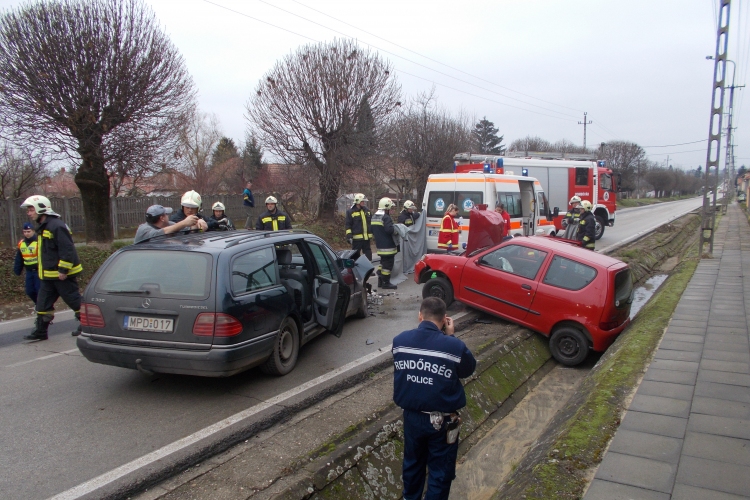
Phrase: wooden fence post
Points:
(115, 225)
(66, 211)
(12, 221)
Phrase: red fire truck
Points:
(562, 176)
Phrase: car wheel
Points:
(285, 349)
(569, 346)
(362, 309)
(440, 288)
(600, 225)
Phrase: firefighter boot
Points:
(387, 283)
(77, 331)
(40, 330)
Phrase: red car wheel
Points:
(440, 288)
(569, 346)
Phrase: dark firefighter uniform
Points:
(570, 223)
(268, 221)
(382, 230)
(57, 254)
(407, 218)
(180, 216)
(358, 228)
(428, 366)
(587, 230)
(27, 257)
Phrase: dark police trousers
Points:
(32, 284)
(424, 447)
(50, 290)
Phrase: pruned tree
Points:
(486, 140)
(426, 137)
(310, 108)
(96, 80)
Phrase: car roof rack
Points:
(232, 238)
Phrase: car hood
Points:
(363, 267)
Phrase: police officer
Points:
(272, 219)
(409, 214)
(382, 230)
(358, 219)
(58, 263)
(571, 218)
(219, 218)
(428, 363)
(26, 258)
(190, 205)
(586, 226)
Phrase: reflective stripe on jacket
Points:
(448, 234)
(587, 230)
(407, 218)
(358, 223)
(268, 221)
(28, 252)
(382, 230)
(57, 253)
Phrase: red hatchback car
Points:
(578, 298)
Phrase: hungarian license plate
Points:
(433, 232)
(143, 324)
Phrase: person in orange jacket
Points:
(449, 230)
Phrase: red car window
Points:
(516, 259)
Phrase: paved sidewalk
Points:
(686, 434)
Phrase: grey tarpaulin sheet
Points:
(412, 242)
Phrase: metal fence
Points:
(127, 212)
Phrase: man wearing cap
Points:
(158, 223)
(26, 257)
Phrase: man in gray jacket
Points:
(158, 223)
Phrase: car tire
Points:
(362, 309)
(440, 288)
(569, 346)
(285, 349)
(600, 225)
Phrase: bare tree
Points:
(530, 143)
(198, 140)
(324, 105)
(625, 158)
(426, 137)
(98, 81)
(20, 171)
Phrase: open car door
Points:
(330, 294)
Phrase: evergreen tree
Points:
(486, 139)
(225, 150)
(252, 157)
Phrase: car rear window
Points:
(253, 271)
(623, 288)
(569, 274)
(161, 273)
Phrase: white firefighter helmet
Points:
(271, 199)
(408, 204)
(191, 199)
(218, 206)
(40, 203)
(574, 199)
(586, 205)
(385, 203)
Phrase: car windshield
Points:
(158, 273)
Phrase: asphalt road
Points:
(64, 420)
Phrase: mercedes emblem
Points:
(146, 303)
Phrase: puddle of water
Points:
(643, 293)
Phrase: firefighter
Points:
(358, 230)
(571, 218)
(58, 265)
(26, 258)
(190, 205)
(409, 214)
(586, 226)
(382, 230)
(449, 230)
(272, 219)
(220, 219)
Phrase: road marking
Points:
(115, 474)
(42, 358)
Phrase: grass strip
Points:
(584, 436)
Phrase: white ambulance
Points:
(523, 198)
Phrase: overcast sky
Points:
(532, 67)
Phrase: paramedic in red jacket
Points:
(449, 230)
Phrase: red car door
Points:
(503, 280)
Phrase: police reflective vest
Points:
(57, 253)
(358, 223)
(28, 252)
(448, 234)
(268, 221)
(382, 230)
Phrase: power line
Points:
(430, 58)
(259, 20)
(680, 144)
(675, 152)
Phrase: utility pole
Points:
(584, 123)
(729, 160)
(714, 129)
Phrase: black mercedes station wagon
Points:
(215, 304)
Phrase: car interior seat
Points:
(295, 280)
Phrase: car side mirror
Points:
(554, 214)
(349, 263)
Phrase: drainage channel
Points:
(486, 467)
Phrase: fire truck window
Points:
(438, 202)
(512, 202)
(466, 200)
(606, 182)
(582, 176)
